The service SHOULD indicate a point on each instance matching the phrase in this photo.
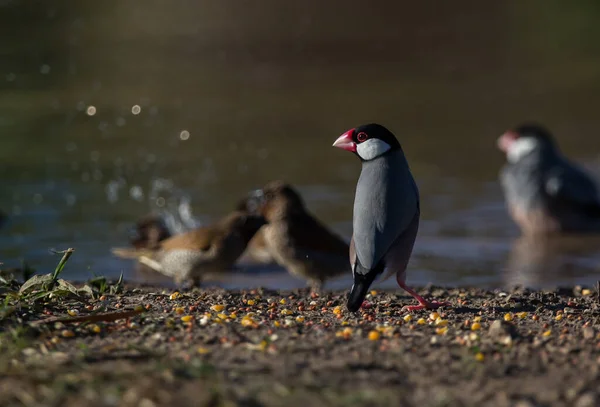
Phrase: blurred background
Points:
(112, 109)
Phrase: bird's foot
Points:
(426, 305)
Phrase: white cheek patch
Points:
(520, 148)
(372, 148)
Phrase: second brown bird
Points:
(295, 239)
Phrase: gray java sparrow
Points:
(545, 192)
(386, 213)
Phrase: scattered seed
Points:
(434, 315)
(408, 318)
(174, 296)
(374, 336)
(547, 333)
(96, 329)
(508, 317)
(73, 312)
(441, 331)
(337, 310)
(299, 320)
(203, 350)
(586, 291)
(522, 315)
(217, 308)
(476, 326)
(179, 310)
(479, 357)
(67, 333)
(421, 321)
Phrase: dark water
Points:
(110, 109)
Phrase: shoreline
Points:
(135, 344)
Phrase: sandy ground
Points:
(210, 347)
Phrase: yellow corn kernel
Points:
(434, 315)
(203, 350)
(373, 293)
(277, 324)
(233, 315)
(522, 315)
(73, 312)
(337, 310)
(282, 301)
(441, 322)
(285, 312)
(96, 329)
(247, 321)
(547, 333)
(174, 296)
(67, 333)
(407, 318)
(421, 321)
(559, 317)
(508, 317)
(442, 330)
(221, 316)
(374, 336)
(179, 310)
(476, 319)
(251, 302)
(475, 326)
(586, 291)
(299, 320)
(139, 308)
(479, 357)
(187, 318)
(217, 308)
(345, 323)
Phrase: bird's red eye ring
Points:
(362, 136)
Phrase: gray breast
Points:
(386, 201)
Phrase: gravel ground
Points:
(147, 346)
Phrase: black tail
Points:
(363, 279)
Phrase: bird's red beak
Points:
(345, 142)
(505, 140)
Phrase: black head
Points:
(535, 131)
(525, 140)
(368, 141)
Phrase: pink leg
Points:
(423, 303)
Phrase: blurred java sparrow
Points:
(545, 192)
(188, 256)
(295, 239)
(386, 212)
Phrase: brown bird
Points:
(149, 232)
(295, 239)
(189, 256)
(257, 249)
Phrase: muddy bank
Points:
(145, 346)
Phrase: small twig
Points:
(109, 316)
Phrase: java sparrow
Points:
(386, 212)
(295, 238)
(545, 192)
(212, 249)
